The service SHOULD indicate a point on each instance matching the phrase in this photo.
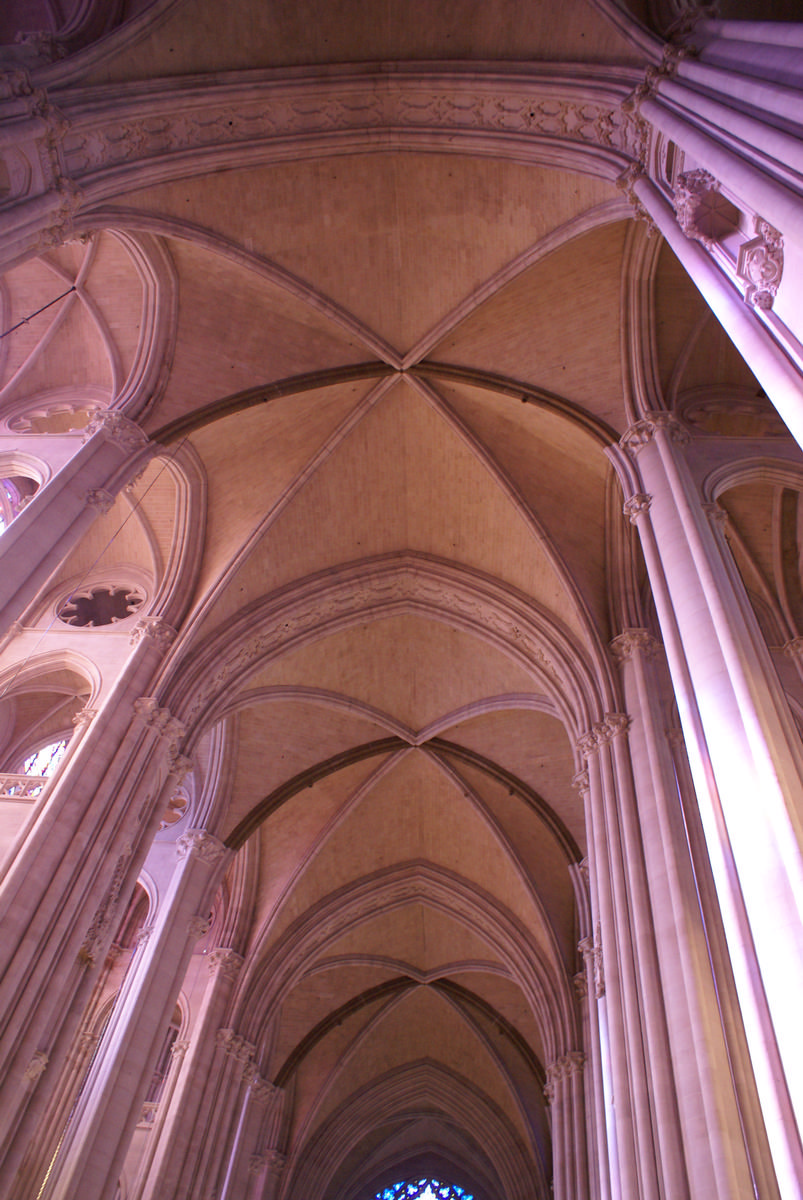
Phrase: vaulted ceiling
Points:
(395, 373)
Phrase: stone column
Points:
(89, 1164)
(182, 1126)
(747, 763)
(709, 1113)
(59, 514)
(565, 1097)
(599, 1174)
(773, 368)
(60, 897)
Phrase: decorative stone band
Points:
(100, 499)
(636, 506)
(199, 844)
(36, 1066)
(634, 641)
(153, 629)
(642, 432)
(224, 962)
(117, 429)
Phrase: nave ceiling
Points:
(384, 384)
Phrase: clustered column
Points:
(746, 761)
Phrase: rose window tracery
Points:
(423, 1189)
(101, 605)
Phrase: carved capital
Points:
(635, 170)
(180, 767)
(642, 432)
(634, 641)
(117, 429)
(199, 844)
(36, 1066)
(760, 265)
(100, 499)
(198, 926)
(144, 934)
(179, 1049)
(262, 1090)
(580, 984)
(636, 506)
(83, 718)
(148, 710)
(696, 194)
(155, 630)
(612, 726)
(276, 1161)
(586, 745)
(257, 1163)
(224, 962)
(580, 781)
(235, 1046)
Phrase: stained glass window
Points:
(45, 761)
(423, 1189)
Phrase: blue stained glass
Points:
(423, 1189)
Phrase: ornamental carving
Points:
(159, 720)
(83, 718)
(225, 963)
(703, 213)
(36, 1066)
(198, 926)
(100, 499)
(117, 429)
(632, 642)
(636, 506)
(104, 916)
(760, 265)
(309, 107)
(153, 629)
(598, 964)
(603, 733)
(642, 432)
(235, 1046)
(199, 844)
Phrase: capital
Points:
(83, 717)
(116, 428)
(580, 781)
(235, 1046)
(612, 726)
(642, 432)
(153, 629)
(224, 962)
(716, 514)
(197, 843)
(794, 649)
(99, 499)
(636, 506)
(631, 642)
(198, 926)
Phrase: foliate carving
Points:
(100, 499)
(642, 432)
(180, 766)
(44, 44)
(634, 641)
(636, 506)
(199, 844)
(302, 108)
(225, 963)
(760, 265)
(276, 1161)
(580, 984)
(118, 429)
(574, 1062)
(36, 1066)
(586, 744)
(257, 1163)
(179, 1049)
(235, 1046)
(83, 718)
(155, 630)
(159, 719)
(601, 734)
(144, 935)
(262, 1090)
